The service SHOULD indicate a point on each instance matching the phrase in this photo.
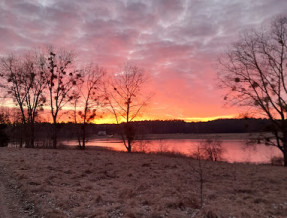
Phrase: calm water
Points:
(233, 150)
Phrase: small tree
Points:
(211, 149)
(62, 77)
(197, 155)
(125, 98)
(253, 71)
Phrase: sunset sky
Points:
(177, 42)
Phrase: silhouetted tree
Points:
(197, 155)
(35, 98)
(13, 85)
(25, 84)
(254, 73)
(62, 78)
(125, 98)
(88, 98)
(211, 149)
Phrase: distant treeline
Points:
(70, 130)
(216, 126)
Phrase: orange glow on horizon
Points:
(206, 119)
(146, 118)
(66, 117)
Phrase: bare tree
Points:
(211, 149)
(254, 73)
(62, 78)
(126, 98)
(197, 155)
(25, 84)
(36, 81)
(14, 77)
(89, 98)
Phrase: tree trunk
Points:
(55, 134)
(21, 141)
(84, 136)
(55, 137)
(129, 133)
(285, 147)
(285, 150)
(285, 156)
(21, 128)
(129, 148)
(32, 135)
(27, 135)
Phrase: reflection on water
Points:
(233, 150)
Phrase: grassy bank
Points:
(99, 183)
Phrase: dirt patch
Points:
(4, 207)
(12, 202)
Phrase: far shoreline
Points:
(222, 136)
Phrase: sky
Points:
(176, 42)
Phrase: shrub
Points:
(277, 161)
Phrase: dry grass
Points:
(99, 183)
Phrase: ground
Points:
(99, 183)
(12, 203)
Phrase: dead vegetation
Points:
(98, 183)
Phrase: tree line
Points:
(143, 128)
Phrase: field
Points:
(100, 183)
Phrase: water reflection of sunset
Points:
(234, 150)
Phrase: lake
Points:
(233, 150)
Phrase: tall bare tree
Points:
(126, 98)
(13, 74)
(36, 81)
(25, 84)
(254, 71)
(62, 77)
(89, 98)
